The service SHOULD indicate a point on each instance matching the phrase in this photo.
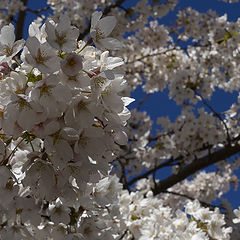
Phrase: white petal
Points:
(114, 62)
(64, 24)
(106, 25)
(50, 30)
(127, 100)
(7, 35)
(33, 45)
(110, 43)
(26, 118)
(17, 46)
(64, 150)
(114, 102)
(95, 18)
(121, 138)
(62, 93)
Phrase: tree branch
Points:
(151, 171)
(172, 161)
(195, 166)
(20, 21)
(38, 11)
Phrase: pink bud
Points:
(4, 68)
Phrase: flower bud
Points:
(121, 138)
(4, 68)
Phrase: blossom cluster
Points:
(73, 164)
(148, 218)
(62, 119)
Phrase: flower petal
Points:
(106, 25)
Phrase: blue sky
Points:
(158, 104)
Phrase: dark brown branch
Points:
(38, 11)
(107, 10)
(171, 161)
(195, 166)
(151, 171)
(20, 21)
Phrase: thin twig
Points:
(140, 103)
(216, 114)
(37, 11)
(125, 232)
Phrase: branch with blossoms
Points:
(199, 163)
(69, 151)
(195, 166)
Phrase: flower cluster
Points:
(62, 119)
(148, 218)
(74, 165)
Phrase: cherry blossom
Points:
(77, 163)
(8, 47)
(100, 29)
(62, 35)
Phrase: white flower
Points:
(16, 82)
(29, 210)
(21, 111)
(36, 30)
(91, 143)
(40, 176)
(89, 229)
(72, 64)
(109, 63)
(41, 56)
(100, 29)
(8, 47)
(52, 95)
(237, 213)
(78, 115)
(62, 36)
